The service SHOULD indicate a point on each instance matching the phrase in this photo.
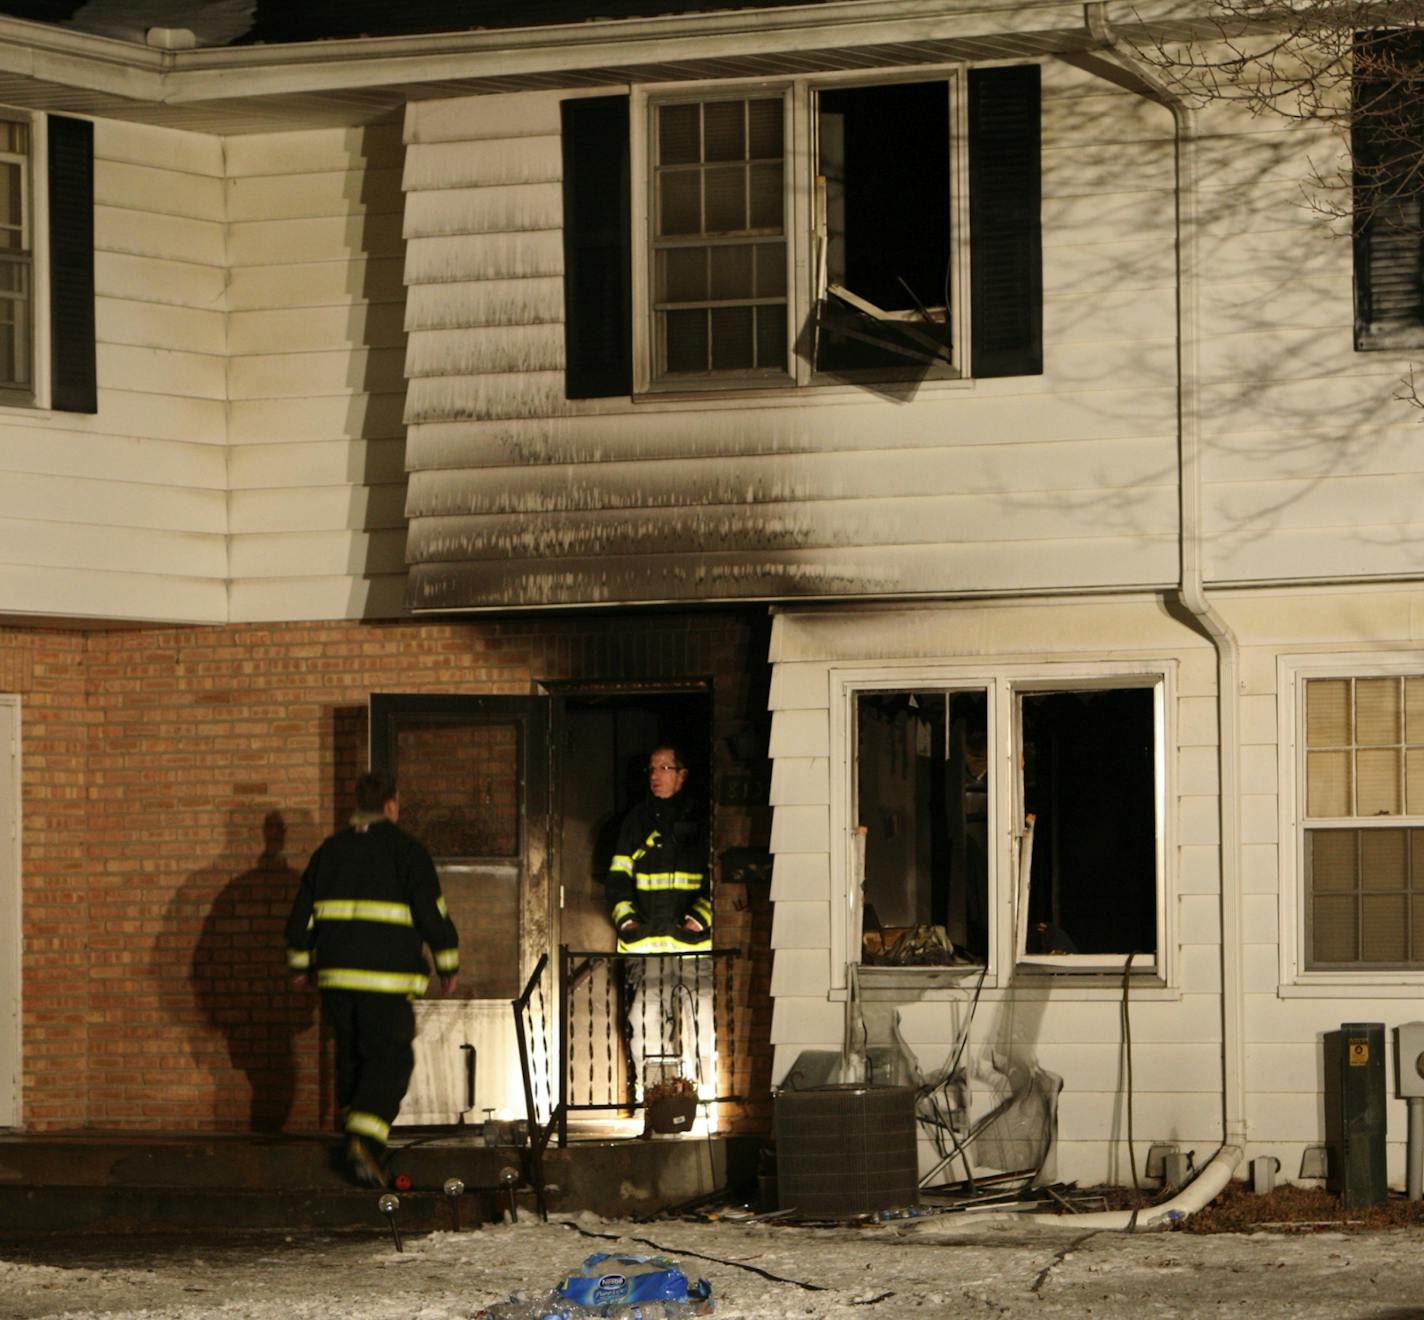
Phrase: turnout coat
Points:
(368, 900)
(659, 877)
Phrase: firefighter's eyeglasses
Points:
(662, 765)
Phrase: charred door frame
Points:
(538, 899)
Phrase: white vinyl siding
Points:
(1013, 484)
(1063, 1022)
(123, 513)
(316, 375)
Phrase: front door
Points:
(473, 775)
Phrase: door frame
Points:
(11, 915)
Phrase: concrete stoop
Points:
(127, 1183)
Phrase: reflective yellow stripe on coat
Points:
(363, 909)
(381, 983)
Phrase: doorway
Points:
(603, 740)
(518, 800)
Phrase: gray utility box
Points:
(846, 1150)
(1409, 1060)
(1355, 1113)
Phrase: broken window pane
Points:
(883, 172)
(922, 794)
(1090, 781)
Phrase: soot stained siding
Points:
(537, 481)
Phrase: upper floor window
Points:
(47, 333)
(1387, 150)
(719, 237)
(804, 231)
(16, 258)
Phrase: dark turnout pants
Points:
(374, 1056)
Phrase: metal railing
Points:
(624, 1022)
(531, 1031)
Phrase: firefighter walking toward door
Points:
(368, 900)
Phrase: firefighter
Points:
(367, 902)
(658, 891)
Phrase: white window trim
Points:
(39, 199)
(800, 129)
(26, 402)
(1003, 683)
(1291, 673)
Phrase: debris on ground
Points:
(613, 1287)
(1291, 1208)
(1237, 1209)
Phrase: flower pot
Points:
(671, 1113)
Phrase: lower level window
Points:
(1082, 789)
(1364, 822)
(923, 797)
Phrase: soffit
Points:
(264, 88)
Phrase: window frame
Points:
(1375, 329)
(35, 395)
(1003, 684)
(801, 153)
(1293, 672)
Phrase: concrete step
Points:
(185, 1182)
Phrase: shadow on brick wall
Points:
(225, 932)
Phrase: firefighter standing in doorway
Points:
(368, 900)
(659, 894)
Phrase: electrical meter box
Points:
(1409, 1060)
(1355, 1113)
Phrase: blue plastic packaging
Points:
(608, 1281)
(609, 1287)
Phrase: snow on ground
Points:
(883, 1273)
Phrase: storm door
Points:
(472, 774)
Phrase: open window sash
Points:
(1043, 935)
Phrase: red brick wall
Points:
(175, 781)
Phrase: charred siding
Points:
(520, 495)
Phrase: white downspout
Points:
(1124, 70)
(1190, 589)
(1196, 1195)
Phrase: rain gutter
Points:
(127, 68)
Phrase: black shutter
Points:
(1005, 245)
(1386, 132)
(73, 385)
(598, 295)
